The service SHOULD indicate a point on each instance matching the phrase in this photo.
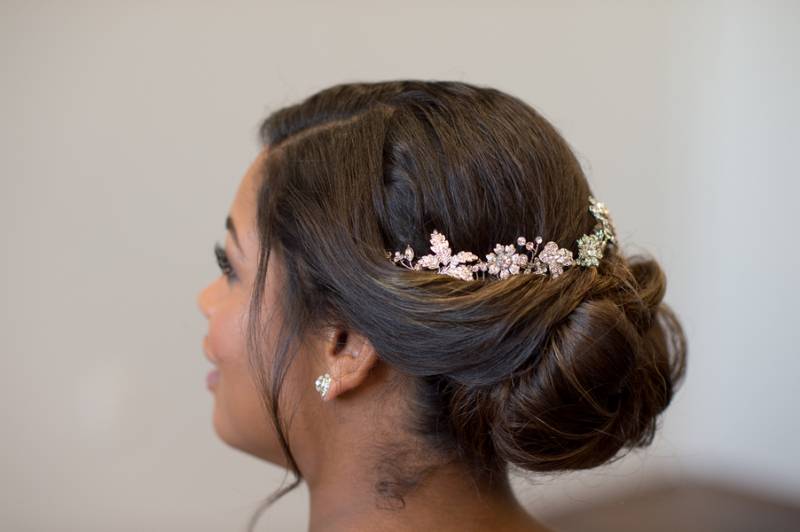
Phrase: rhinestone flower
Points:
(504, 261)
(591, 247)
(590, 250)
(555, 259)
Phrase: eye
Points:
(223, 262)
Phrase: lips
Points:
(212, 379)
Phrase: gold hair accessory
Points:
(504, 261)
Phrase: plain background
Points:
(126, 126)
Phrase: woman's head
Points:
(541, 373)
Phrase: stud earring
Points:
(323, 384)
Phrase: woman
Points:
(389, 328)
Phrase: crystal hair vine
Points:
(505, 260)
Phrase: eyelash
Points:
(223, 262)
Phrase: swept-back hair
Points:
(534, 372)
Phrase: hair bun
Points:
(602, 376)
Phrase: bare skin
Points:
(334, 440)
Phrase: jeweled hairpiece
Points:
(505, 261)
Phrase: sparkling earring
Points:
(323, 384)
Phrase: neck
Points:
(446, 499)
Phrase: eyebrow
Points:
(230, 227)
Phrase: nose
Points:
(204, 301)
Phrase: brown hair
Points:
(540, 373)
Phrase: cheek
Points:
(239, 417)
(238, 414)
(226, 336)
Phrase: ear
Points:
(348, 357)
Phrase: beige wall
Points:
(126, 126)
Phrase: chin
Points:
(241, 440)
